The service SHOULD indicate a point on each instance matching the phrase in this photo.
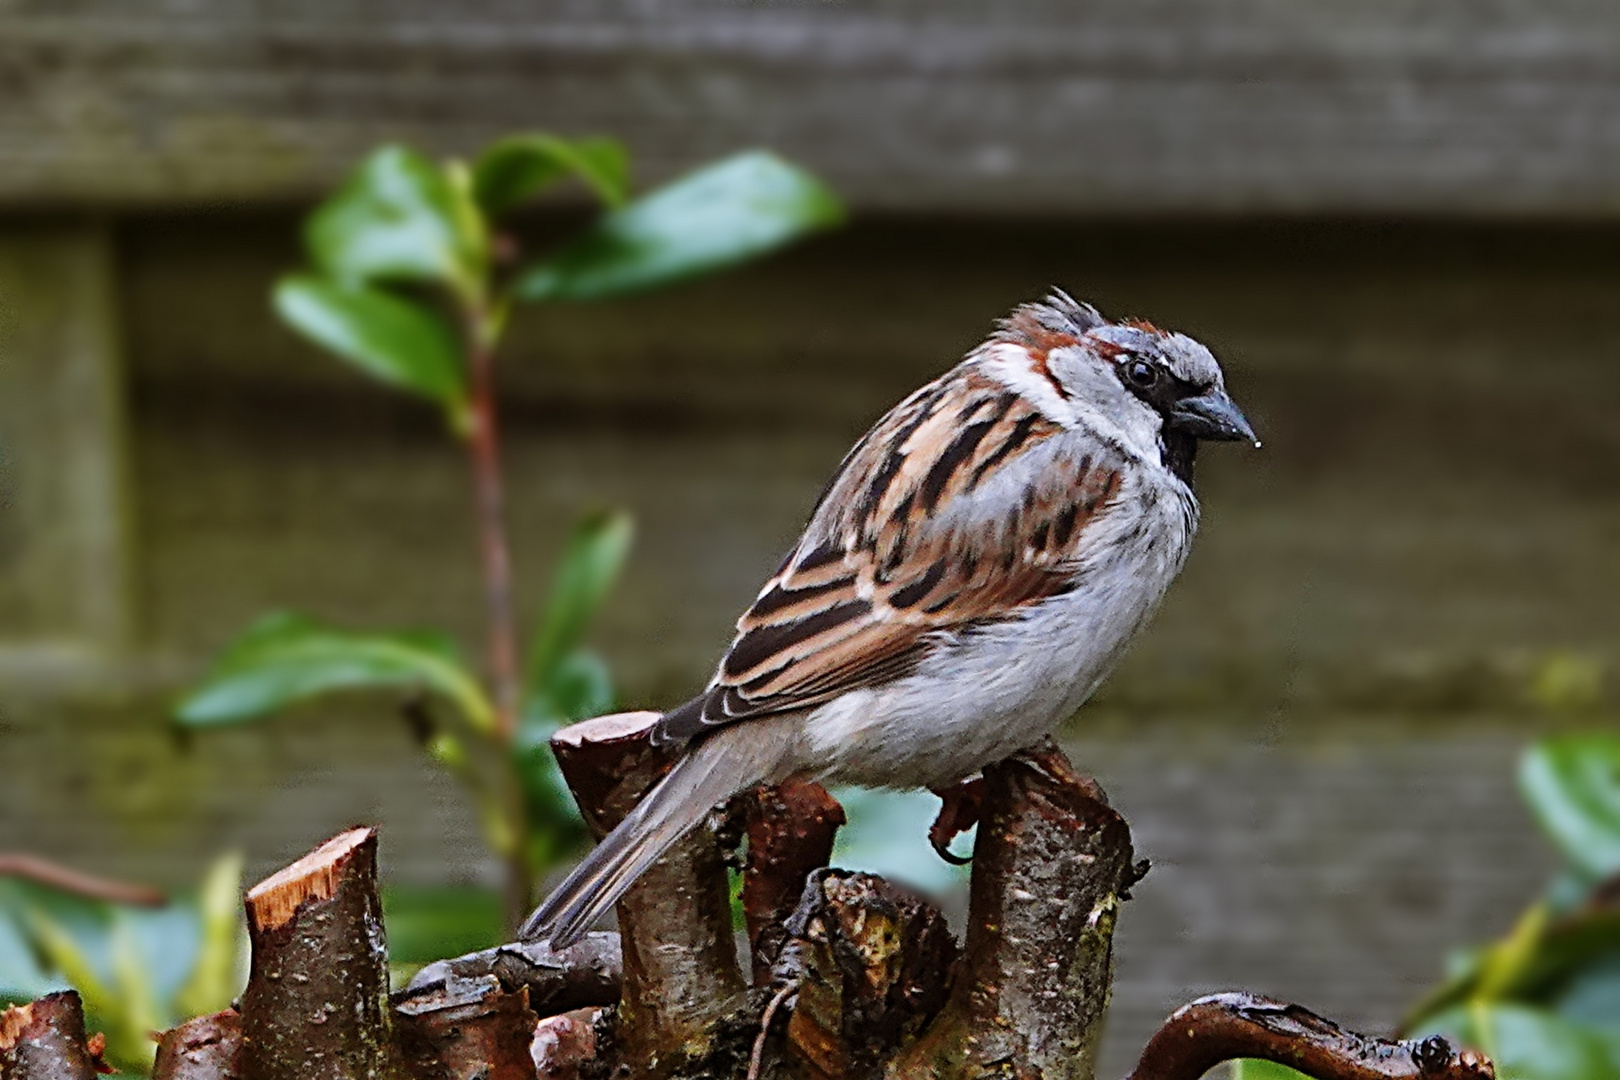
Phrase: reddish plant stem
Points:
(499, 604)
(42, 872)
(491, 507)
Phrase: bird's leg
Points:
(958, 812)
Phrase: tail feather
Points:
(712, 771)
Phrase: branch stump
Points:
(1221, 1027)
(1051, 863)
(316, 1004)
(854, 978)
(45, 1040)
(680, 972)
(466, 1029)
(204, 1048)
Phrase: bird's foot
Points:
(958, 812)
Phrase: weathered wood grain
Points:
(1448, 107)
(65, 603)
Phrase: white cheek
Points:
(1010, 365)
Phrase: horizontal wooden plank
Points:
(1177, 105)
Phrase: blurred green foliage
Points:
(412, 281)
(140, 970)
(1544, 1001)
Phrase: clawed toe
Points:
(958, 812)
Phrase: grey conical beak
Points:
(1212, 415)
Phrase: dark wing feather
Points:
(909, 543)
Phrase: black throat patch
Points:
(1177, 449)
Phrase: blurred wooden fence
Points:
(1395, 221)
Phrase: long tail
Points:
(726, 762)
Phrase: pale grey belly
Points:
(972, 704)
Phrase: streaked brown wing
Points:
(915, 537)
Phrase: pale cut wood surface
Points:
(1395, 105)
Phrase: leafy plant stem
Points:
(484, 439)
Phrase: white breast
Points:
(995, 690)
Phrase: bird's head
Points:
(1155, 390)
(1174, 376)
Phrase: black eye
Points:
(1142, 374)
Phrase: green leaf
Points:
(427, 922)
(400, 217)
(1572, 784)
(1258, 1069)
(390, 339)
(217, 975)
(1592, 995)
(65, 955)
(1527, 1043)
(887, 834)
(517, 167)
(1564, 950)
(286, 658)
(729, 212)
(579, 687)
(590, 564)
(130, 1040)
(1504, 964)
(21, 977)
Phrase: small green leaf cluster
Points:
(402, 220)
(139, 970)
(412, 281)
(1544, 1001)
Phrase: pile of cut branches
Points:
(849, 976)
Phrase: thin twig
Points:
(32, 868)
(1222, 1027)
(757, 1058)
(491, 508)
(499, 603)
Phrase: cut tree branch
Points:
(791, 829)
(681, 976)
(205, 1048)
(466, 1029)
(316, 1004)
(1051, 863)
(1223, 1027)
(869, 964)
(564, 1046)
(44, 1040)
(585, 974)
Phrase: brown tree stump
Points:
(316, 1004)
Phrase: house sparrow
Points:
(974, 569)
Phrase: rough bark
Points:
(868, 964)
(862, 968)
(680, 977)
(564, 1046)
(1199, 1036)
(585, 974)
(316, 1004)
(45, 1040)
(466, 1029)
(1051, 863)
(206, 1048)
(791, 829)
